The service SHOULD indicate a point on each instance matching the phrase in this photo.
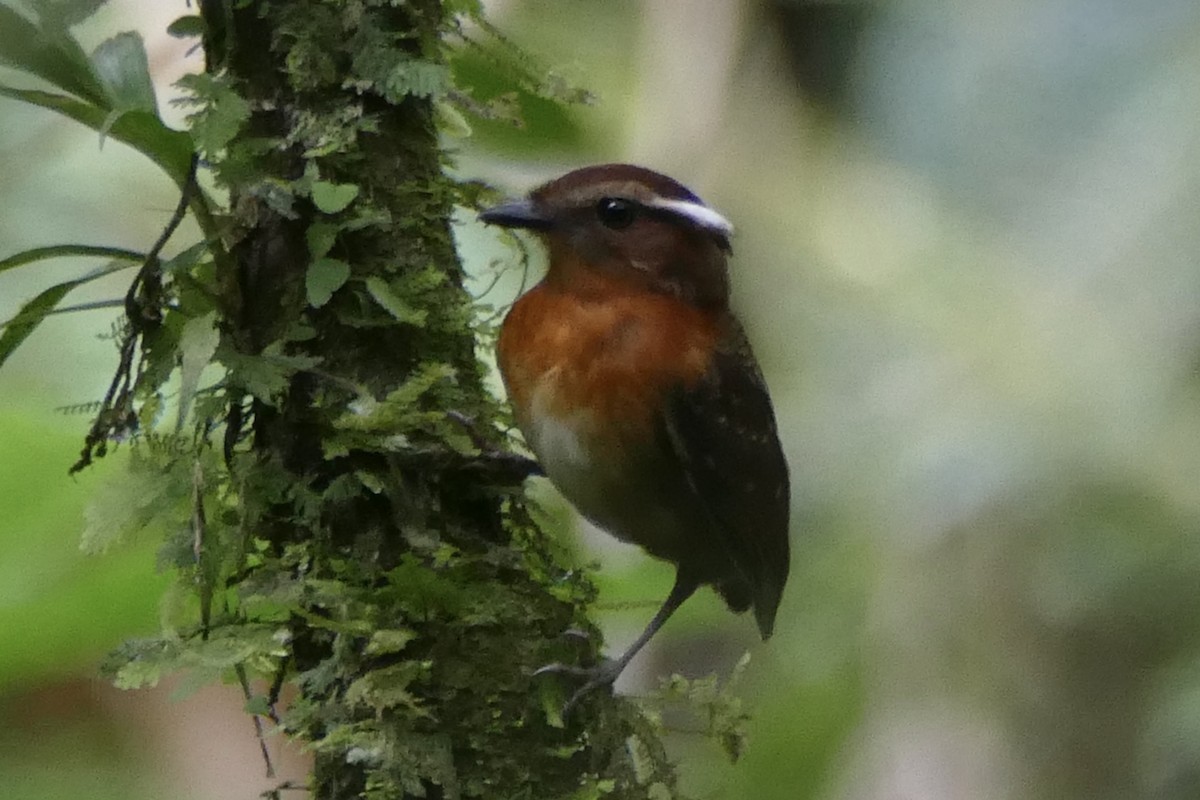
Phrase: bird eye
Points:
(616, 213)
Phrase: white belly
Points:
(600, 482)
(561, 445)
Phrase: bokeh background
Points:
(966, 252)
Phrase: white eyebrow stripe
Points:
(698, 213)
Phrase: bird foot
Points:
(593, 677)
(511, 463)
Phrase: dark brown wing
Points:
(723, 431)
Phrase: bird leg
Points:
(520, 466)
(607, 672)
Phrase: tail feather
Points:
(740, 596)
(764, 614)
(736, 593)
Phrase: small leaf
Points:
(258, 705)
(221, 114)
(393, 304)
(197, 344)
(370, 482)
(325, 276)
(320, 237)
(333, 197)
(186, 27)
(185, 259)
(386, 687)
(139, 664)
(417, 78)
(450, 121)
(641, 759)
(401, 410)
(121, 64)
(469, 8)
(389, 640)
(66, 250)
(265, 375)
(145, 496)
(31, 315)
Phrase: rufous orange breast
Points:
(587, 376)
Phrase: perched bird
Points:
(636, 389)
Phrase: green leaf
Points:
(145, 495)
(450, 120)
(469, 8)
(401, 410)
(417, 78)
(594, 789)
(197, 344)
(52, 54)
(67, 12)
(186, 27)
(325, 276)
(141, 130)
(255, 646)
(333, 197)
(389, 640)
(221, 114)
(320, 237)
(186, 259)
(393, 304)
(31, 315)
(121, 64)
(258, 705)
(141, 663)
(265, 375)
(66, 250)
(387, 687)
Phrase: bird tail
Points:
(740, 596)
(764, 613)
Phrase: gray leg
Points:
(606, 673)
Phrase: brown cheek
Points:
(663, 243)
(684, 263)
(648, 245)
(704, 270)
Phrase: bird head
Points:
(630, 224)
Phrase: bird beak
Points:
(517, 214)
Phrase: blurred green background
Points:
(966, 252)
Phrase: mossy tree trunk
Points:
(406, 594)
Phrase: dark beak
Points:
(517, 214)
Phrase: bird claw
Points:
(577, 633)
(596, 677)
(602, 678)
(488, 452)
(558, 668)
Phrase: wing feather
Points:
(722, 429)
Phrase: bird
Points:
(636, 389)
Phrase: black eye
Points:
(616, 213)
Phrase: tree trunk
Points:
(413, 598)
